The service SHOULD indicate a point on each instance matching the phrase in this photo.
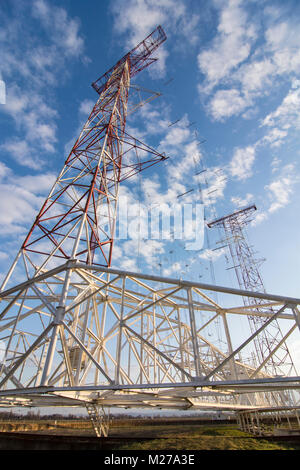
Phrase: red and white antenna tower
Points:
(77, 221)
(78, 218)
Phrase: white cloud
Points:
(242, 161)
(287, 114)
(255, 76)
(39, 63)
(37, 184)
(141, 17)
(284, 119)
(64, 31)
(214, 185)
(295, 83)
(151, 249)
(155, 118)
(226, 103)
(133, 251)
(258, 218)
(212, 255)
(241, 202)
(3, 255)
(86, 106)
(231, 46)
(23, 100)
(16, 102)
(283, 35)
(175, 269)
(246, 67)
(275, 164)
(19, 207)
(128, 264)
(177, 135)
(155, 195)
(180, 171)
(275, 137)
(20, 199)
(34, 120)
(21, 152)
(280, 191)
(158, 68)
(4, 170)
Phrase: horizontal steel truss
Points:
(80, 333)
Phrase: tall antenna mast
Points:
(272, 351)
(78, 218)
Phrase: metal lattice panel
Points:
(127, 339)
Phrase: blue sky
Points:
(229, 74)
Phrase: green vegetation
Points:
(208, 437)
(164, 434)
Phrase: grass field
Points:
(162, 435)
(205, 437)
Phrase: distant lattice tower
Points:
(271, 349)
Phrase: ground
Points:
(146, 434)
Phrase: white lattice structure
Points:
(128, 339)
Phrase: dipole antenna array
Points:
(271, 349)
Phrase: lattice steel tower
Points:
(77, 220)
(271, 349)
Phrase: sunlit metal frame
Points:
(125, 339)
